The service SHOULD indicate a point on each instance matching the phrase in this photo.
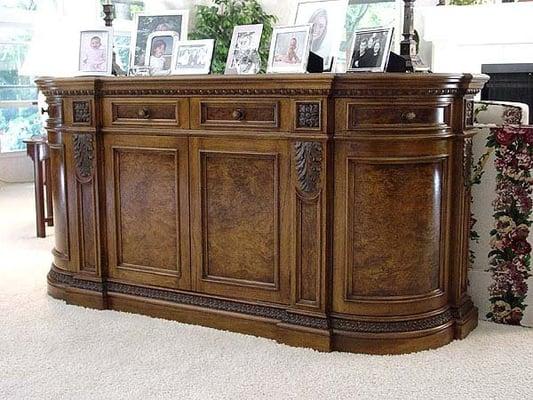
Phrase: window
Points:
(19, 118)
(19, 115)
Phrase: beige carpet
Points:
(49, 350)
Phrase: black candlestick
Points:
(408, 51)
(109, 14)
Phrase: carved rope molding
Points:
(265, 311)
(187, 92)
(84, 155)
(402, 92)
(395, 326)
(308, 163)
(276, 91)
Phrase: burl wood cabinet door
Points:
(391, 227)
(240, 218)
(148, 209)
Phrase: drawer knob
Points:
(238, 114)
(143, 113)
(409, 116)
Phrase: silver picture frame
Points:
(243, 54)
(164, 42)
(374, 55)
(193, 57)
(147, 23)
(289, 49)
(95, 51)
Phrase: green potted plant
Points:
(217, 22)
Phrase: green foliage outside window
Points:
(17, 124)
(217, 22)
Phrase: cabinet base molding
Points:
(274, 322)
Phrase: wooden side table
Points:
(38, 150)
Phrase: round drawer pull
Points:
(143, 113)
(238, 114)
(409, 116)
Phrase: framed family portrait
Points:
(193, 57)
(146, 24)
(159, 52)
(289, 49)
(370, 50)
(243, 54)
(327, 19)
(96, 52)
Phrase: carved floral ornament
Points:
(467, 161)
(81, 111)
(83, 144)
(308, 161)
(308, 115)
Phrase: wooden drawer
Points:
(245, 114)
(152, 112)
(363, 116)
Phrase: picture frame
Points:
(327, 30)
(159, 55)
(95, 51)
(289, 49)
(193, 57)
(365, 54)
(148, 23)
(243, 54)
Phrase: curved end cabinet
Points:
(320, 210)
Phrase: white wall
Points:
(461, 38)
(16, 167)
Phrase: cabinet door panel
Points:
(391, 235)
(240, 235)
(147, 181)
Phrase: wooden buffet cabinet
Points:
(320, 210)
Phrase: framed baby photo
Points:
(148, 23)
(243, 54)
(289, 49)
(370, 50)
(159, 52)
(193, 57)
(327, 19)
(96, 52)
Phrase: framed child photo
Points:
(193, 57)
(148, 23)
(243, 54)
(327, 19)
(159, 52)
(370, 50)
(96, 52)
(289, 49)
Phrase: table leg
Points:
(39, 197)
